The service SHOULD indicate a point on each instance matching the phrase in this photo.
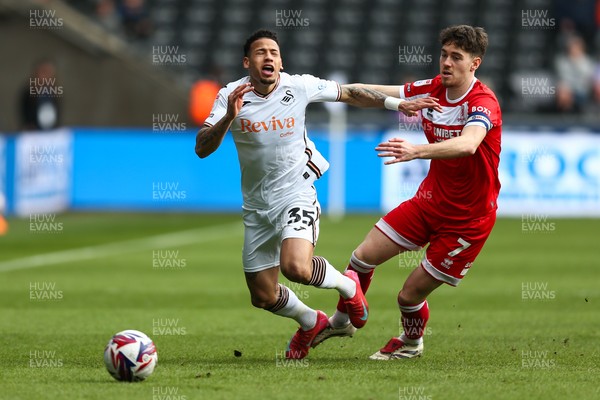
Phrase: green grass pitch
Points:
(524, 324)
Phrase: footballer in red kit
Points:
(457, 198)
(454, 209)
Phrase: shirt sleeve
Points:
(417, 89)
(484, 111)
(319, 90)
(219, 108)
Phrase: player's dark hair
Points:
(473, 40)
(259, 34)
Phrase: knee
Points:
(366, 255)
(263, 300)
(296, 271)
(409, 297)
(361, 253)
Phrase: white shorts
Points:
(265, 230)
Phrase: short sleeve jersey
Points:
(270, 136)
(460, 188)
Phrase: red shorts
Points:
(453, 246)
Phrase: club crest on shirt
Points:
(288, 98)
(464, 113)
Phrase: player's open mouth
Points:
(268, 70)
(447, 73)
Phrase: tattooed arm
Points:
(361, 95)
(209, 138)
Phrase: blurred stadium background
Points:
(101, 99)
(100, 104)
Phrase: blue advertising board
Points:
(556, 174)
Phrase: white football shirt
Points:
(277, 159)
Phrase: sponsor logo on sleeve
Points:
(481, 109)
(422, 82)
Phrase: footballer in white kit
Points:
(265, 113)
(278, 162)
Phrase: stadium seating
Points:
(361, 39)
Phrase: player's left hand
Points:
(410, 107)
(400, 149)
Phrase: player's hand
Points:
(400, 149)
(236, 99)
(410, 108)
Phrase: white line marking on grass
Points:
(181, 238)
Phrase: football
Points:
(130, 356)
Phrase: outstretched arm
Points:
(209, 138)
(464, 145)
(361, 95)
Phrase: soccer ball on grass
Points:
(130, 356)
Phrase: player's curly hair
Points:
(473, 40)
(259, 34)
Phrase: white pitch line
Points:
(180, 238)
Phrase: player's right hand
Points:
(235, 100)
(410, 107)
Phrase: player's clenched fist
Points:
(235, 100)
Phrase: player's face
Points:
(457, 67)
(264, 61)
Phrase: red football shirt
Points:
(460, 188)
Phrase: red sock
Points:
(365, 275)
(414, 319)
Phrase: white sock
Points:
(327, 277)
(406, 340)
(339, 319)
(289, 305)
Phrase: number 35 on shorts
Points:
(303, 216)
